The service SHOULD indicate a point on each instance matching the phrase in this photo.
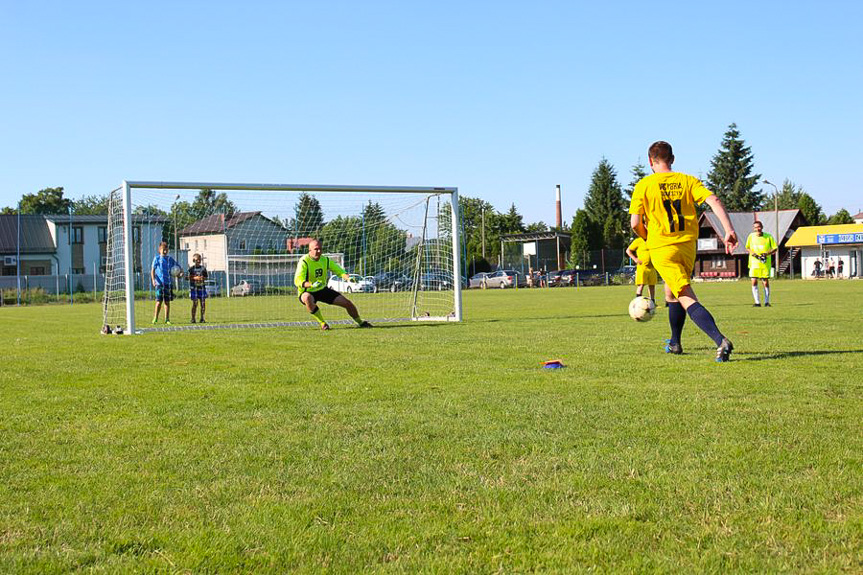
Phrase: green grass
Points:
(441, 448)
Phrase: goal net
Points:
(399, 245)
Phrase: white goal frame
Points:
(129, 185)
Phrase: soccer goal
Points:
(400, 245)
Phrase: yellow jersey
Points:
(667, 200)
(639, 247)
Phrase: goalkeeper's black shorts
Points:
(326, 295)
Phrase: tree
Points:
(208, 203)
(789, 196)
(511, 222)
(810, 210)
(638, 172)
(841, 217)
(536, 227)
(585, 236)
(46, 201)
(344, 235)
(731, 177)
(90, 206)
(471, 211)
(605, 207)
(308, 216)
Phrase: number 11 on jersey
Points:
(673, 208)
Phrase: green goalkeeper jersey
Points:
(313, 271)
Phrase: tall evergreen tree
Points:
(789, 196)
(512, 221)
(731, 175)
(638, 172)
(605, 206)
(308, 216)
(585, 236)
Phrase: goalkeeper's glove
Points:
(318, 284)
(352, 280)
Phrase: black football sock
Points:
(676, 319)
(705, 322)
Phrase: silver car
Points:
(478, 280)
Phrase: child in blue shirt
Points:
(163, 281)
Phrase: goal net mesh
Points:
(397, 248)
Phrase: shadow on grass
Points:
(751, 356)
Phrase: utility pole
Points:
(776, 210)
(482, 211)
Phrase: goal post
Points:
(400, 245)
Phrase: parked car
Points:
(628, 272)
(567, 278)
(553, 278)
(355, 284)
(247, 287)
(477, 280)
(392, 281)
(505, 279)
(436, 281)
(589, 277)
(214, 289)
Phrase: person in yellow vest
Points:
(645, 273)
(311, 281)
(761, 247)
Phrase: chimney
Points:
(557, 208)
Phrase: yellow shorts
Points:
(645, 275)
(759, 269)
(674, 263)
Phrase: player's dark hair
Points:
(661, 151)
(163, 244)
(758, 222)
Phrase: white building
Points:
(842, 242)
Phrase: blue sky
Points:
(501, 99)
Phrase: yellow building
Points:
(822, 245)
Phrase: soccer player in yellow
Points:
(311, 281)
(761, 247)
(667, 199)
(645, 273)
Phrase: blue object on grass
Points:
(553, 364)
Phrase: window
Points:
(242, 244)
(196, 245)
(37, 271)
(103, 234)
(77, 235)
(205, 244)
(78, 271)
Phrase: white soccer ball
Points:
(642, 309)
(176, 271)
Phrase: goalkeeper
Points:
(311, 282)
(761, 247)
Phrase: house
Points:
(858, 218)
(51, 246)
(28, 249)
(823, 243)
(711, 261)
(238, 234)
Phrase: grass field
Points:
(441, 448)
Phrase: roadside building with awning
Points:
(838, 242)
